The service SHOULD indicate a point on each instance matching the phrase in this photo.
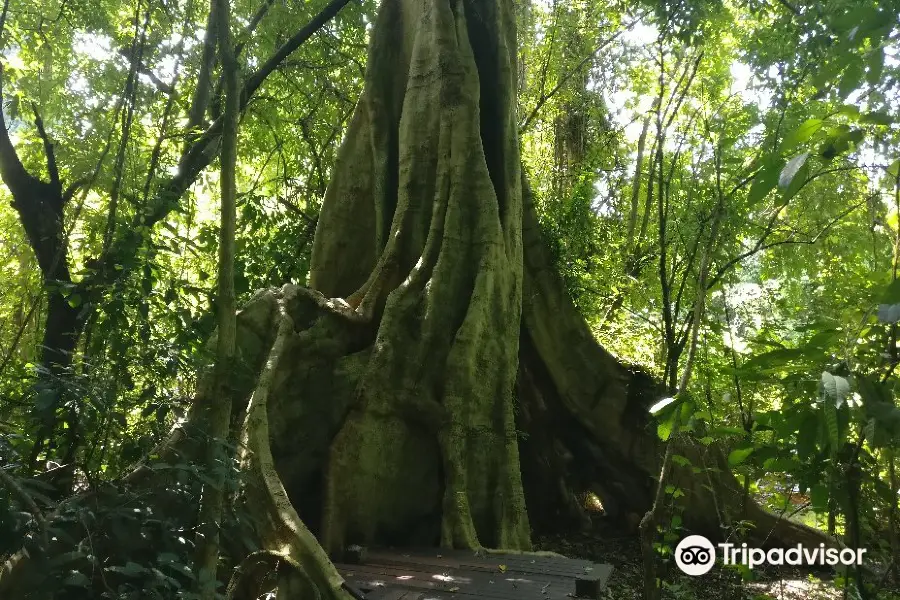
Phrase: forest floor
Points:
(722, 583)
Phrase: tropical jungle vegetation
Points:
(281, 276)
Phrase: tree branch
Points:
(143, 69)
(196, 157)
(565, 78)
(256, 79)
(13, 486)
(761, 245)
(295, 210)
(200, 100)
(11, 168)
(48, 148)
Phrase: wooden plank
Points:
(387, 594)
(470, 555)
(391, 594)
(467, 557)
(430, 572)
(465, 584)
(433, 574)
(396, 594)
(512, 563)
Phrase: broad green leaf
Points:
(854, 136)
(664, 430)
(826, 73)
(877, 118)
(774, 359)
(764, 182)
(45, 400)
(849, 110)
(873, 390)
(799, 180)
(851, 79)
(790, 170)
(894, 168)
(806, 437)
(875, 67)
(738, 456)
(77, 579)
(802, 134)
(836, 388)
(829, 388)
(662, 404)
(783, 465)
(843, 391)
(725, 430)
(818, 496)
(840, 141)
(130, 569)
(886, 415)
(823, 338)
(681, 461)
(869, 432)
(891, 293)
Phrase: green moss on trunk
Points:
(430, 444)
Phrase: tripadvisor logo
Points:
(695, 555)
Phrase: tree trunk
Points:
(40, 206)
(218, 458)
(421, 230)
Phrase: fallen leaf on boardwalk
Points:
(502, 568)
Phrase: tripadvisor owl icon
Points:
(695, 555)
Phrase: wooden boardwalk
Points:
(436, 574)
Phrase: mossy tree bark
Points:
(421, 231)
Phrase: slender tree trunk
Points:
(892, 509)
(636, 187)
(203, 89)
(651, 520)
(218, 458)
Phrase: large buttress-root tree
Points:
(436, 379)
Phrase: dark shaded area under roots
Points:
(560, 459)
(491, 104)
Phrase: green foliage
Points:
(770, 149)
